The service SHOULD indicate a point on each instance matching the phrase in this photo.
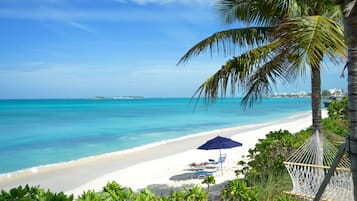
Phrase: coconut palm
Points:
(349, 9)
(284, 40)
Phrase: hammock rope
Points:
(310, 163)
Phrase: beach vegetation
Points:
(337, 120)
(209, 180)
(114, 191)
(338, 109)
(90, 195)
(146, 195)
(263, 167)
(195, 193)
(238, 190)
(36, 193)
(266, 158)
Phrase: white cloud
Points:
(80, 26)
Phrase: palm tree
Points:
(286, 37)
(349, 9)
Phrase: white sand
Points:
(162, 167)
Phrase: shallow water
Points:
(41, 132)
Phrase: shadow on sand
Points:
(183, 176)
(167, 190)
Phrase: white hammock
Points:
(309, 165)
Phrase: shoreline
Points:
(93, 172)
(35, 169)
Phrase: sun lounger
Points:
(203, 174)
(221, 160)
(198, 166)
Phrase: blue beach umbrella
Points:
(220, 143)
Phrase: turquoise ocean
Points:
(41, 132)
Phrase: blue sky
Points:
(86, 48)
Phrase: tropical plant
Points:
(114, 191)
(349, 9)
(238, 190)
(338, 109)
(196, 193)
(209, 180)
(90, 196)
(28, 193)
(286, 37)
(267, 157)
(337, 120)
(177, 195)
(146, 195)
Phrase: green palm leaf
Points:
(257, 11)
(227, 40)
(244, 71)
(311, 38)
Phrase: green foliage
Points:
(90, 196)
(114, 191)
(265, 169)
(238, 190)
(195, 193)
(336, 126)
(209, 180)
(269, 154)
(111, 192)
(338, 109)
(32, 194)
(177, 195)
(337, 122)
(272, 188)
(146, 195)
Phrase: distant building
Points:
(336, 93)
(300, 94)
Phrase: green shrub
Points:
(338, 109)
(337, 122)
(269, 154)
(90, 196)
(114, 191)
(146, 195)
(336, 126)
(238, 190)
(32, 194)
(209, 180)
(196, 193)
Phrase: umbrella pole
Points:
(220, 155)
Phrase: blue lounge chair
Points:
(221, 160)
(203, 174)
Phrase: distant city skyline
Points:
(81, 49)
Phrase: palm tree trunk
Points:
(316, 99)
(316, 122)
(316, 113)
(349, 9)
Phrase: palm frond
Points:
(260, 83)
(260, 12)
(228, 40)
(311, 38)
(235, 73)
(325, 8)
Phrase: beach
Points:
(161, 166)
